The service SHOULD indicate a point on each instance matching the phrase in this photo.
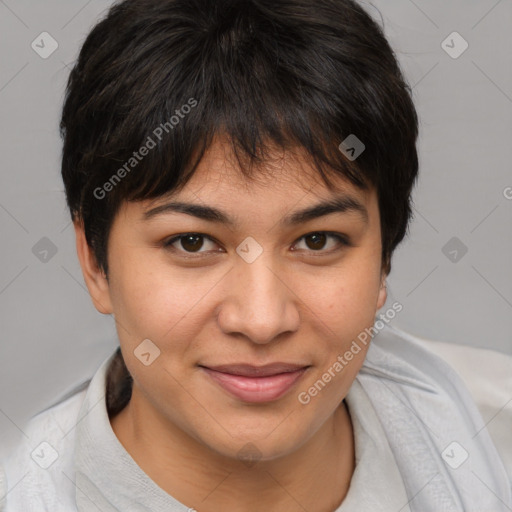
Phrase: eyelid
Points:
(343, 242)
(167, 244)
(342, 239)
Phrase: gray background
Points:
(52, 337)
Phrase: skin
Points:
(303, 306)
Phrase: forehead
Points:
(284, 189)
(284, 175)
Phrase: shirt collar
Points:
(107, 478)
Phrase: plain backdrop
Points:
(453, 273)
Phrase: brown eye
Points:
(189, 243)
(316, 242)
(192, 242)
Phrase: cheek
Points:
(347, 298)
(156, 301)
(343, 309)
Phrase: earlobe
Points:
(94, 277)
(383, 293)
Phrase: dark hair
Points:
(119, 385)
(168, 75)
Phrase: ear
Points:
(383, 293)
(95, 279)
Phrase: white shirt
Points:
(72, 461)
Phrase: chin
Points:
(260, 447)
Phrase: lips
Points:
(247, 370)
(256, 384)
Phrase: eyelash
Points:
(342, 240)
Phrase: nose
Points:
(258, 302)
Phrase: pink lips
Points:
(256, 384)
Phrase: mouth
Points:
(256, 384)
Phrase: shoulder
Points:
(487, 374)
(38, 472)
(474, 379)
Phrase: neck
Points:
(315, 477)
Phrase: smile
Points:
(256, 389)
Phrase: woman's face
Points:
(272, 285)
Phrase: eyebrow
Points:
(339, 204)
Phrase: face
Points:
(270, 286)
